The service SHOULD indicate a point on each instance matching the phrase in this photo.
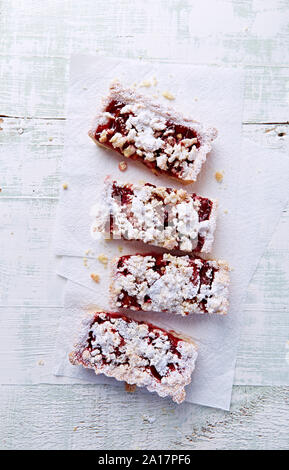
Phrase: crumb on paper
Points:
(196, 99)
(120, 249)
(155, 95)
(269, 130)
(122, 166)
(155, 82)
(145, 83)
(149, 419)
(50, 139)
(219, 176)
(85, 262)
(75, 428)
(130, 388)
(226, 211)
(87, 252)
(41, 362)
(95, 277)
(168, 95)
(103, 259)
(65, 185)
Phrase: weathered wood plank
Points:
(88, 417)
(40, 40)
(31, 153)
(27, 263)
(246, 32)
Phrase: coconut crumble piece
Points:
(181, 285)
(135, 352)
(160, 216)
(139, 128)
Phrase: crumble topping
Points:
(138, 128)
(166, 283)
(136, 352)
(166, 217)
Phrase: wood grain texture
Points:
(88, 417)
(37, 39)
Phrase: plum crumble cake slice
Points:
(159, 137)
(136, 352)
(165, 217)
(164, 283)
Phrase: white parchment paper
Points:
(210, 94)
(251, 197)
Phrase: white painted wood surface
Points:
(37, 39)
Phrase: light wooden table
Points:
(37, 39)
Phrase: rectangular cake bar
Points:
(164, 283)
(165, 217)
(136, 352)
(140, 129)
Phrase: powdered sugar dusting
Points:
(177, 284)
(164, 217)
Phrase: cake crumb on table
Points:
(65, 186)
